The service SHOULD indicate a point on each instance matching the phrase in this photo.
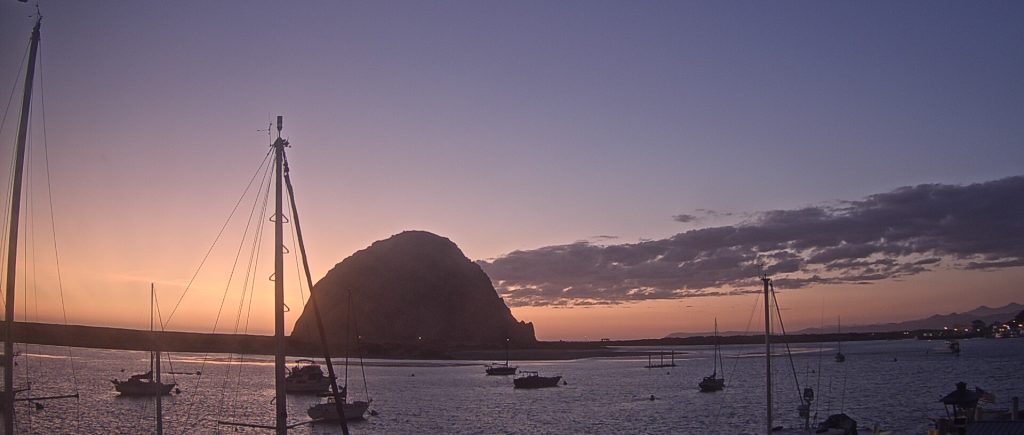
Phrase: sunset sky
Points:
(620, 169)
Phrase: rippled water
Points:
(894, 384)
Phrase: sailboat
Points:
(499, 369)
(144, 384)
(836, 424)
(529, 379)
(714, 383)
(7, 359)
(839, 343)
(338, 400)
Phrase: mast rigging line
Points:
(10, 177)
(792, 365)
(339, 397)
(217, 238)
(249, 279)
(736, 358)
(264, 167)
(26, 190)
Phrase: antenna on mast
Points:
(280, 125)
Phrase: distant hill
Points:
(413, 289)
(937, 321)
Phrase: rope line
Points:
(263, 166)
(216, 239)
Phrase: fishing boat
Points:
(714, 382)
(501, 369)
(144, 384)
(839, 343)
(306, 377)
(531, 379)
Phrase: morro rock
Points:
(412, 289)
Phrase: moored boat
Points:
(355, 410)
(501, 369)
(714, 382)
(142, 385)
(306, 377)
(529, 379)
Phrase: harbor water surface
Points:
(895, 385)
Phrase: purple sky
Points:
(502, 125)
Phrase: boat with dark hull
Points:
(325, 412)
(145, 384)
(527, 379)
(306, 377)
(142, 385)
(501, 369)
(714, 382)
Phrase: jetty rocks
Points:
(415, 292)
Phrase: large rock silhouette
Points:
(412, 289)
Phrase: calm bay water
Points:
(895, 384)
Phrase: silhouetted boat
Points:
(954, 347)
(527, 379)
(328, 411)
(713, 382)
(501, 369)
(306, 377)
(144, 384)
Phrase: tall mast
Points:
(12, 247)
(339, 397)
(155, 356)
(717, 356)
(281, 422)
(767, 351)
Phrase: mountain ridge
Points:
(935, 321)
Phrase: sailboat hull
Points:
(328, 412)
(134, 387)
(536, 381)
(711, 383)
(501, 370)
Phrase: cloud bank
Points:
(904, 232)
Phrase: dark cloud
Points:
(684, 218)
(884, 236)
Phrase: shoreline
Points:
(97, 337)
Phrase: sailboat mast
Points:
(12, 246)
(339, 399)
(281, 422)
(154, 358)
(767, 351)
(717, 356)
(839, 332)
